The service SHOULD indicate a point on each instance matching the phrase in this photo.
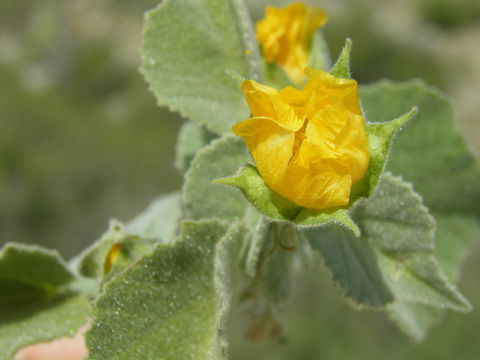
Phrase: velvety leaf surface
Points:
(415, 319)
(31, 267)
(187, 45)
(40, 321)
(395, 250)
(191, 138)
(203, 198)
(430, 152)
(36, 303)
(159, 221)
(277, 268)
(353, 264)
(444, 172)
(179, 295)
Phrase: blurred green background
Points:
(82, 140)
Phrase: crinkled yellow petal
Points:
(270, 144)
(327, 185)
(265, 101)
(352, 145)
(324, 90)
(285, 35)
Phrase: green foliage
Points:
(191, 138)
(36, 303)
(168, 295)
(434, 129)
(452, 199)
(353, 265)
(32, 268)
(203, 198)
(180, 295)
(276, 263)
(187, 74)
(159, 221)
(395, 254)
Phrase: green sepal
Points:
(341, 69)
(380, 137)
(38, 302)
(249, 181)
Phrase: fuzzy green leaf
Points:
(159, 221)
(41, 321)
(256, 247)
(453, 199)
(431, 142)
(353, 265)
(187, 45)
(204, 199)
(395, 250)
(180, 295)
(36, 303)
(456, 233)
(30, 269)
(415, 319)
(276, 269)
(191, 138)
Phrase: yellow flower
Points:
(309, 145)
(285, 35)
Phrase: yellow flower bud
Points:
(285, 35)
(112, 257)
(309, 145)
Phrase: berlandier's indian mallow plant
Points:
(285, 159)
